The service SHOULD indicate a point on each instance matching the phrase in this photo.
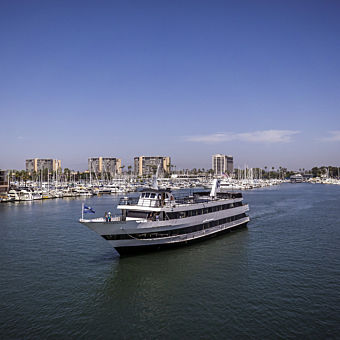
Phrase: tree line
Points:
(266, 172)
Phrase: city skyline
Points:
(125, 167)
(257, 80)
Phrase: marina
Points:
(170, 170)
(31, 191)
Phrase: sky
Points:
(258, 80)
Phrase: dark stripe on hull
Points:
(134, 250)
(175, 232)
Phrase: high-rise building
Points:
(37, 164)
(105, 164)
(230, 164)
(3, 182)
(145, 165)
(222, 164)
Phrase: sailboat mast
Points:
(90, 172)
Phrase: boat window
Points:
(147, 195)
(153, 195)
(173, 215)
(182, 214)
(137, 214)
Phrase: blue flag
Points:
(88, 210)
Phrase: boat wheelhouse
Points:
(296, 178)
(157, 220)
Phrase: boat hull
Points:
(140, 249)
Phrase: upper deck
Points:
(151, 199)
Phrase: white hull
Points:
(135, 242)
(132, 230)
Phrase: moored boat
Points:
(13, 195)
(25, 195)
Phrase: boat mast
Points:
(154, 182)
(215, 186)
(90, 172)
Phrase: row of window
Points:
(189, 213)
(150, 195)
(175, 232)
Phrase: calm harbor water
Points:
(277, 279)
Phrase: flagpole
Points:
(82, 211)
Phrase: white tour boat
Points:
(158, 220)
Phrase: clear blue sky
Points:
(259, 80)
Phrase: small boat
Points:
(13, 195)
(25, 195)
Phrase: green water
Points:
(277, 279)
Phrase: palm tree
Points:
(67, 173)
(25, 176)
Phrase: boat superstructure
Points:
(156, 219)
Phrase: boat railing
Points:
(188, 200)
(220, 194)
(195, 198)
